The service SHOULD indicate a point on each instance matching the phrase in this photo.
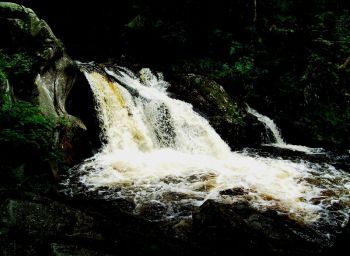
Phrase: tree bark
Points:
(255, 12)
(345, 64)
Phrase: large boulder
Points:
(222, 227)
(29, 223)
(21, 27)
(35, 225)
(210, 99)
(54, 73)
(50, 79)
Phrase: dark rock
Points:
(24, 31)
(341, 243)
(220, 228)
(234, 192)
(207, 96)
(32, 224)
(74, 250)
(10, 247)
(211, 100)
(29, 223)
(22, 27)
(51, 79)
(44, 219)
(152, 210)
(182, 229)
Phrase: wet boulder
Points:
(244, 230)
(29, 223)
(211, 100)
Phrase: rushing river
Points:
(159, 152)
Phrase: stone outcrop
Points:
(248, 231)
(31, 224)
(232, 122)
(52, 77)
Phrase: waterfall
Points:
(158, 152)
(269, 124)
(276, 132)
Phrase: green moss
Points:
(26, 131)
(3, 77)
(216, 95)
(224, 101)
(14, 65)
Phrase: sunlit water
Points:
(277, 136)
(160, 152)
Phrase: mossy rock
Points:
(212, 101)
(22, 27)
(46, 83)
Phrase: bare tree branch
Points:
(345, 64)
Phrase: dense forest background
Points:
(288, 59)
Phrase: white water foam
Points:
(159, 151)
(279, 142)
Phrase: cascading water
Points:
(159, 152)
(278, 140)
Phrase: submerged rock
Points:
(238, 191)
